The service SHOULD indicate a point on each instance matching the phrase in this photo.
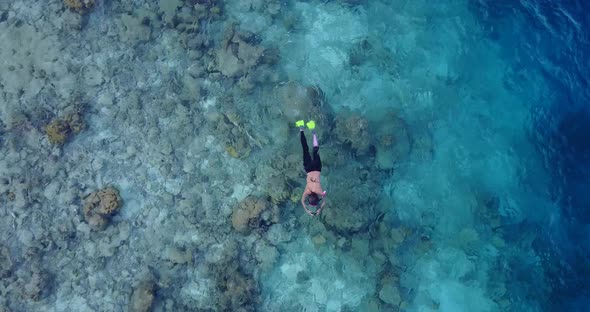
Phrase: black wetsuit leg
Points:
(317, 161)
(307, 162)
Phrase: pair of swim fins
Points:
(301, 123)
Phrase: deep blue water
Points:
(552, 37)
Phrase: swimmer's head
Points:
(313, 199)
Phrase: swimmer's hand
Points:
(322, 205)
(305, 207)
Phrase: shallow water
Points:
(452, 141)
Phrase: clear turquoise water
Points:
(453, 145)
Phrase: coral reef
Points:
(278, 234)
(237, 291)
(392, 143)
(177, 255)
(279, 176)
(233, 118)
(253, 213)
(278, 189)
(135, 28)
(75, 122)
(238, 53)
(353, 2)
(100, 206)
(34, 287)
(358, 54)
(233, 286)
(353, 130)
(142, 297)
(368, 51)
(265, 254)
(57, 132)
(389, 293)
(60, 130)
(371, 304)
(32, 281)
(33, 56)
(81, 6)
(168, 9)
(5, 262)
(351, 206)
(229, 129)
(155, 71)
(422, 144)
(303, 102)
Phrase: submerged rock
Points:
(390, 294)
(142, 297)
(80, 6)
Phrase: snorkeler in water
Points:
(313, 167)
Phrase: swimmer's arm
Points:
(322, 205)
(305, 193)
